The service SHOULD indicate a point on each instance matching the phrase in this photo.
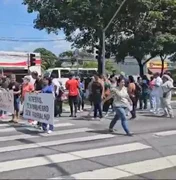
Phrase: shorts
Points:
(17, 104)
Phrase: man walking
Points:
(72, 86)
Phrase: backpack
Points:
(138, 90)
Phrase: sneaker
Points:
(165, 115)
(49, 131)
(111, 130)
(171, 116)
(129, 134)
(106, 115)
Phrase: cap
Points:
(27, 78)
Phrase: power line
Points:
(16, 24)
(31, 40)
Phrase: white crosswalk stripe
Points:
(127, 170)
(9, 129)
(98, 155)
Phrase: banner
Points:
(6, 100)
(39, 107)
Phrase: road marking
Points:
(66, 157)
(17, 128)
(165, 133)
(127, 170)
(4, 125)
(55, 143)
(28, 136)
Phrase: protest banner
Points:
(6, 100)
(39, 107)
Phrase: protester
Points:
(38, 85)
(121, 104)
(16, 91)
(167, 88)
(60, 98)
(139, 92)
(145, 92)
(49, 89)
(27, 87)
(157, 92)
(81, 94)
(4, 85)
(97, 96)
(107, 87)
(132, 94)
(152, 95)
(72, 86)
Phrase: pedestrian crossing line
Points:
(4, 125)
(165, 133)
(127, 170)
(9, 129)
(55, 143)
(67, 157)
(28, 136)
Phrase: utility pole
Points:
(28, 63)
(104, 37)
(76, 55)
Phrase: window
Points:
(54, 74)
(91, 72)
(65, 73)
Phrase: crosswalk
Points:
(76, 152)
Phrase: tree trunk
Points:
(141, 67)
(100, 69)
(162, 68)
(100, 64)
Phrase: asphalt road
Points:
(83, 149)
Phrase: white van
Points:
(63, 73)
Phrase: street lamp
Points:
(104, 35)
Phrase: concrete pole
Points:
(104, 37)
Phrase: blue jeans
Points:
(120, 114)
(2, 112)
(44, 126)
(97, 108)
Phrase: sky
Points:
(16, 22)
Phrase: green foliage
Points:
(155, 34)
(110, 66)
(148, 26)
(48, 58)
(66, 54)
(90, 64)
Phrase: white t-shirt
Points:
(32, 80)
(56, 83)
(157, 90)
(166, 88)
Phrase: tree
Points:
(166, 45)
(48, 58)
(141, 19)
(154, 35)
(66, 54)
(90, 64)
(87, 18)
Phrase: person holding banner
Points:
(27, 87)
(48, 88)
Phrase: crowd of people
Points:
(122, 94)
